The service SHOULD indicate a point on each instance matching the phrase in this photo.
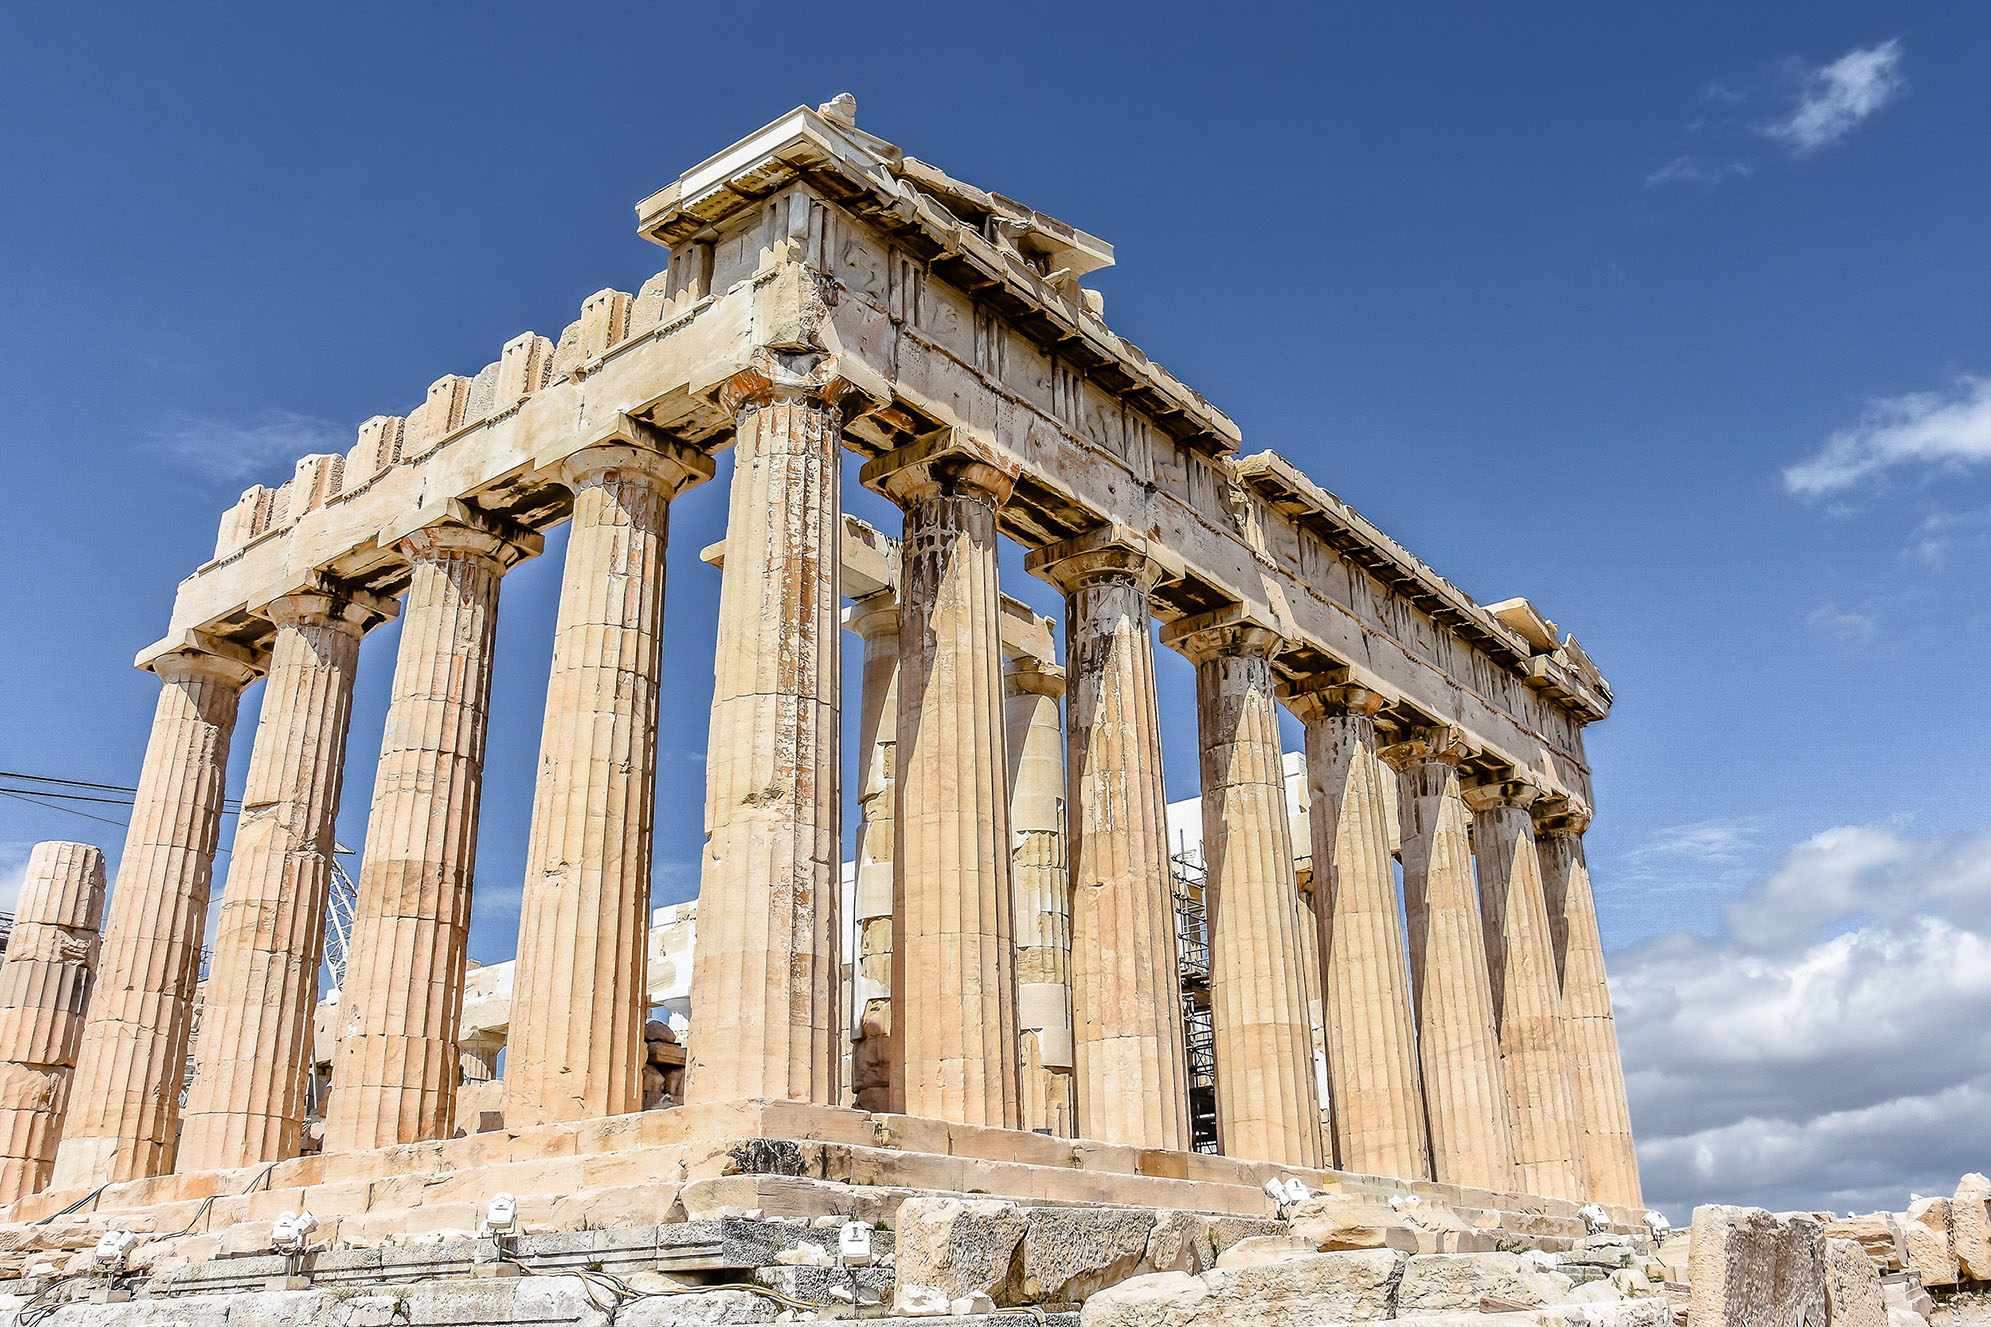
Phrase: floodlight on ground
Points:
(292, 1232)
(501, 1216)
(113, 1251)
(853, 1244)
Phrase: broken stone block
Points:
(1927, 1233)
(1970, 1226)
(1329, 1222)
(1748, 1266)
(1903, 1290)
(1463, 1282)
(1879, 1234)
(921, 1301)
(1069, 1253)
(1180, 1242)
(1852, 1285)
(1314, 1288)
(954, 1246)
(1262, 1249)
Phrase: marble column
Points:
(44, 988)
(579, 997)
(395, 1068)
(1035, 738)
(1268, 1108)
(124, 1113)
(1126, 988)
(954, 957)
(766, 979)
(1373, 1081)
(247, 1102)
(1589, 1033)
(1527, 1004)
(1458, 1045)
(876, 620)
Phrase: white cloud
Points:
(1820, 106)
(1847, 628)
(1831, 1047)
(1942, 533)
(1692, 169)
(1835, 98)
(244, 449)
(1703, 841)
(1921, 428)
(1707, 855)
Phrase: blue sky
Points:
(1671, 320)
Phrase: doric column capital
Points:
(1111, 553)
(1500, 794)
(1322, 698)
(630, 448)
(467, 532)
(875, 617)
(197, 656)
(1035, 677)
(1226, 631)
(322, 602)
(773, 375)
(1443, 743)
(1559, 815)
(952, 462)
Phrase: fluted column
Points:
(1126, 988)
(1589, 1033)
(766, 980)
(1527, 1003)
(954, 958)
(395, 1068)
(1373, 1081)
(124, 1114)
(246, 1104)
(579, 995)
(1035, 738)
(876, 620)
(1458, 1046)
(1268, 1108)
(44, 987)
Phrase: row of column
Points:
(767, 960)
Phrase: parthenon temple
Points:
(1405, 986)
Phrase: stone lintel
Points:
(1324, 695)
(1446, 742)
(1556, 814)
(191, 649)
(1111, 550)
(458, 526)
(317, 597)
(949, 460)
(1232, 629)
(1498, 794)
(1036, 676)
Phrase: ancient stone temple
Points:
(1002, 1013)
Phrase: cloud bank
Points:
(1830, 1048)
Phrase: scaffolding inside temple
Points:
(1192, 947)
